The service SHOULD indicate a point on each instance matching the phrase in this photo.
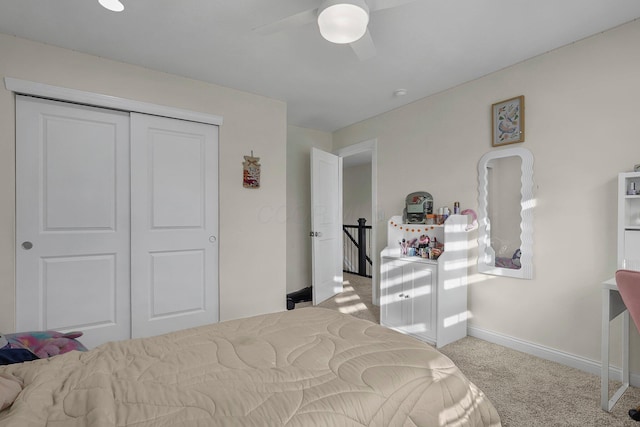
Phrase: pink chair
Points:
(628, 282)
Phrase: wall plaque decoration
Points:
(508, 121)
(251, 172)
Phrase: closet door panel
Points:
(72, 219)
(79, 173)
(184, 268)
(174, 211)
(89, 279)
(177, 186)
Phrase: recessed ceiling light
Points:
(399, 92)
(112, 5)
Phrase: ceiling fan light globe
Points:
(112, 5)
(342, 22)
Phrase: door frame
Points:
(369, 146)
(25, 87)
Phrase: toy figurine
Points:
(403, 247)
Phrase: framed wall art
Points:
(508, 121)
(251, 171)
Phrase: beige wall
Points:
(582, 112)
(356, 194)
(299, 144)
(252, 222)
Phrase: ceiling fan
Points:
(339, 21)
(112, 5)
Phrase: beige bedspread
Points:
(305, 367)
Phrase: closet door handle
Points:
(212, 239)
(27, 245)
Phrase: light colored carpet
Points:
(527, 391)
(355, 299)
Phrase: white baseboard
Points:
(548, 353)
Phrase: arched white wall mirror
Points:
(505, 213)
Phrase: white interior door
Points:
(174, 224)
(72, 219)
(326, 225)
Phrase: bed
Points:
(305, 367)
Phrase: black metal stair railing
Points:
(356, 245)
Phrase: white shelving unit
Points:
(628, 221)
(612, 303)
(422, 297)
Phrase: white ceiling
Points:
(424, 47)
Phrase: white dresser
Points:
(423, 297)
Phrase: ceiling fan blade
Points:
(364, 47)
(292, 21)
(386, 4)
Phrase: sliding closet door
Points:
(72, 219)
(174, 224)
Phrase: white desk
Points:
(612, 307)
